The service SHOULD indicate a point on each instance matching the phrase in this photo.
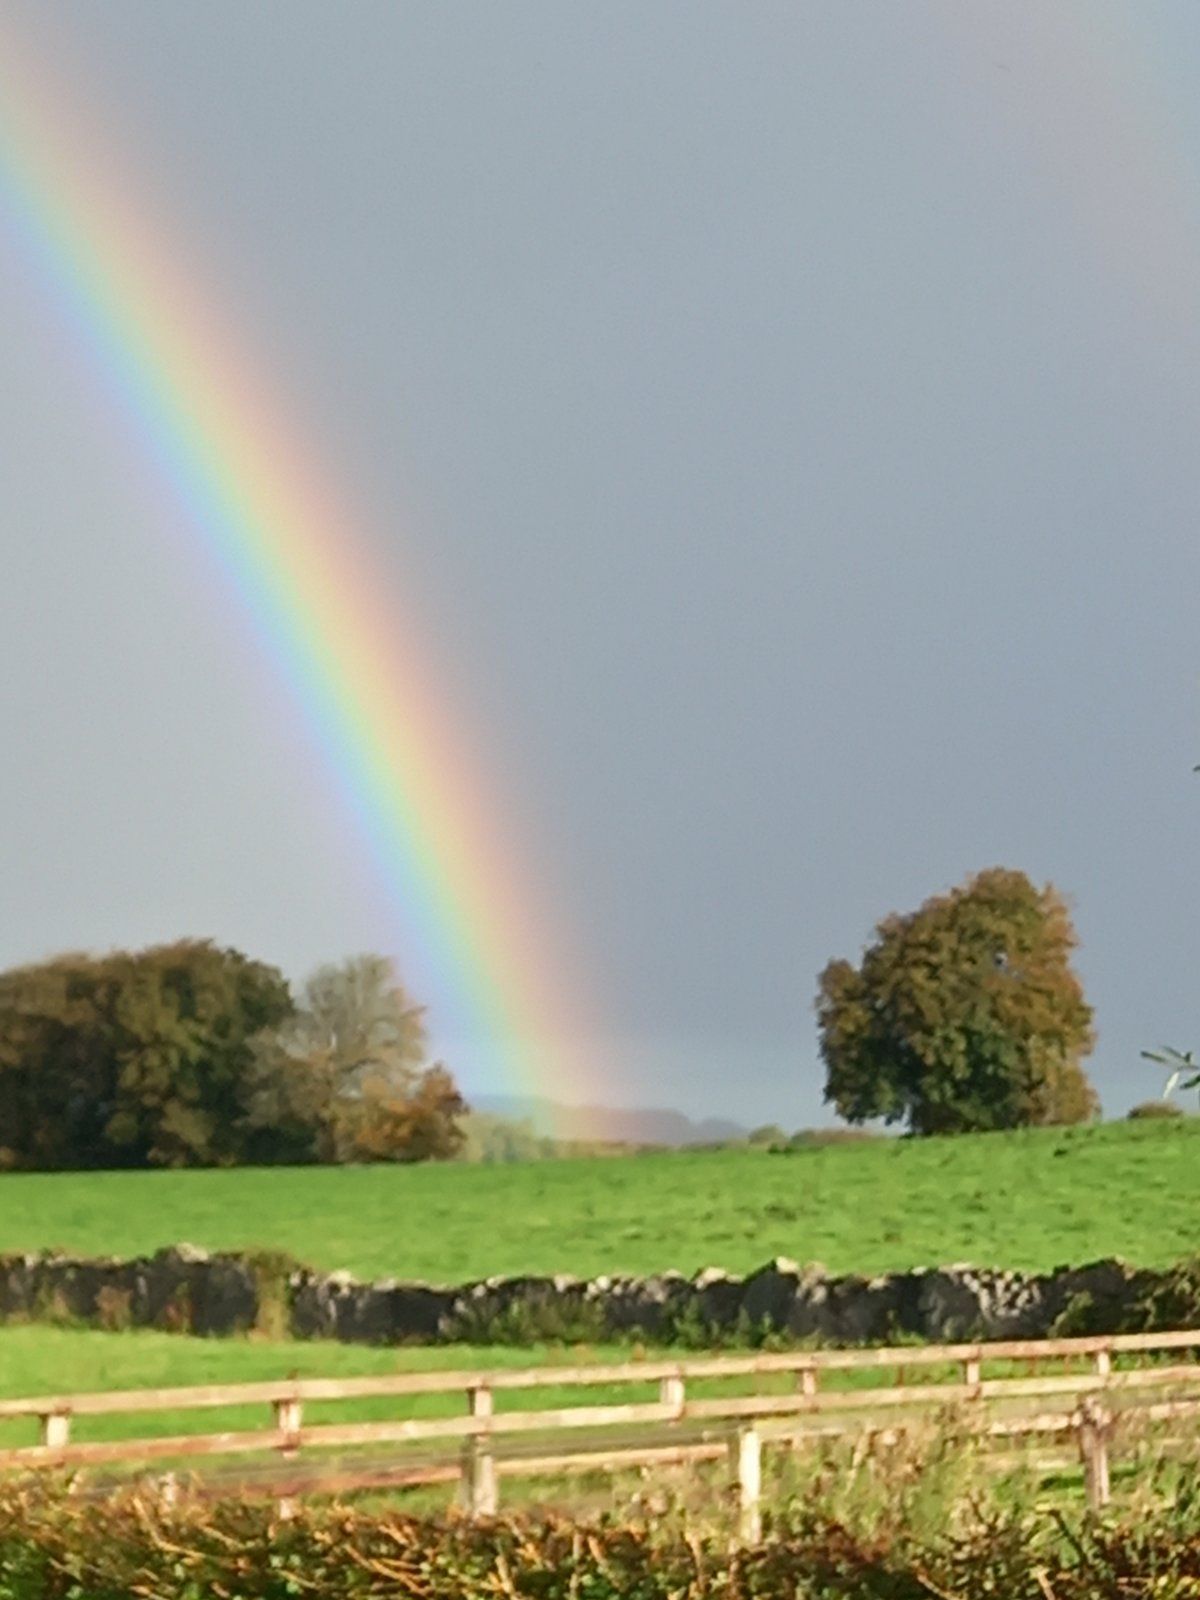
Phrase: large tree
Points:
(964, 1014)
(131, 1059)
(346, 1079)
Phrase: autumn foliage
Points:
(62, 1547)
(962, 1015)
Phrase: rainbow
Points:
(283, 546)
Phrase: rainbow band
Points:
(298, 572)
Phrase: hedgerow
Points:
(54, 1546)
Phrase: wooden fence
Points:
(1153, 1376)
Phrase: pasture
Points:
(1031, 1199)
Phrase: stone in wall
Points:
(876, 1310)
(182, 1289)
(338, 1307)
(714, 1301)
(650, 1307)
(769, 1295)
(1095, 1298)
(964, 1302)
(186, 1289)
(513, 1310)
(17, 1275)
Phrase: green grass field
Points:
(1029, 1200)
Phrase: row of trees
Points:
(192, 1055)
(962, 1015)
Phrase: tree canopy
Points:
(192, 1055)
(964, 1014)
(345, 1077)
(131, 1059)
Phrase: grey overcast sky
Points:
(786, 415)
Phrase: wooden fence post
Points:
(806, 1380)
(289, 1415)
(289, 1418)
(1103, 1362)
(56, 1429)
(1093, 1451)
(479, 1489)
(672, 1392)
(745, 1461)
(970, 1370)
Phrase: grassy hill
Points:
(1032, 1199)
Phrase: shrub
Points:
(820, 1138)
(769, 1134)
(54, 1546)
(1151, 1110)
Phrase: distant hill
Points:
(608, 1124)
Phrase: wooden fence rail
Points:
(995, 1407)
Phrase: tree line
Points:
(189, 1055)
(963, 1015)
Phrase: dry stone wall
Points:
(189, 1290)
